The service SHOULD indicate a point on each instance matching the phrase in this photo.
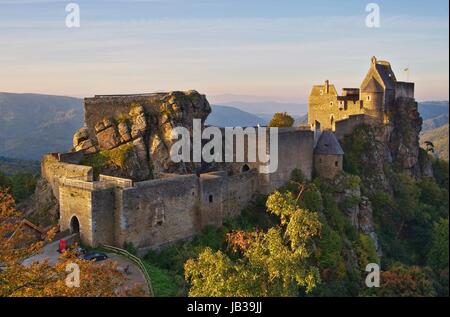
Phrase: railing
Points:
(136, 260)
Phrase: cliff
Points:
(374, 151)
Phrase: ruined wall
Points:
(157, 212)
(224, 196)
(52, 170)
(347, 126)
(404, 90)
(295, 151)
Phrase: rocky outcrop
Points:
(131, 136)
(375, 150)
(403, 136)
(358, 208)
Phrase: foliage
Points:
(355, 147)
(404, 281)
(129, 247)
(40, 278)
(22, 184)
(281, 120)
(11, 166)
(438, 256)
(114, 158)
(163, 282)
(440, 173)
(270, 263)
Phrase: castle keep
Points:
(118, 184)
(378, 92)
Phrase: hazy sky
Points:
(275, 49)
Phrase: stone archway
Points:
(74, 225)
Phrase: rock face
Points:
(358, 208)
(380, 148)
(130, 136)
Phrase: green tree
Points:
(438, 255)
(4, 181)
(281, 120)
(272, 263)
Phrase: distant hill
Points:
(435, 122)
(439, 137)
(32, 124)
(299, 119)
(9, 166)
(270, 107)
(227, 116)
(432, 109)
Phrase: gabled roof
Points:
(387, 75)
(382, 72)
(373, 86)
(328, 144)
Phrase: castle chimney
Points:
(374, 60)
(327, 86)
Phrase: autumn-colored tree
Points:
(281, 120)
(404, 281)
(272, 263)
(40, 278)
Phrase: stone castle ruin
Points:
(118, 184)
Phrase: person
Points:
(62, 246)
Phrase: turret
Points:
(328, 155)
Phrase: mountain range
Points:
(33, 124)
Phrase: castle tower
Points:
(378, 88)
(328, 156)
(372, 96)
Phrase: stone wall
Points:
(157, 212)
(347, 126)
(76, 201)
(53, 170)
(295, 151)
(404, 90)
(326, 107)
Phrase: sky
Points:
(247, 49)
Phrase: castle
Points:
(378, 92)
(137, 195)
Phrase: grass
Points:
(109, 158)
(164, 283)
